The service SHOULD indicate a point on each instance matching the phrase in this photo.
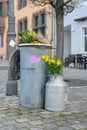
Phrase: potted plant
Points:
(55, 87)
(53, 65)
(31, 37)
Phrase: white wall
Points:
(67, 43)
(78, 12)
(76, 28)
(76, 37)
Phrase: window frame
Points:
(1, 41)
(36, 23)
(25, 20)
(41, 24)
(83, 38)
(1, 14)
(22, 4)
(20, 28)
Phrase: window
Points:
(25, 24)
(22, 3)
(40, 23)
(20, 27)
(43, 23)
(85, 39)
(1, 9)
(1, 40)
(43, 19)
(43, 31)
(36, 21)
(7, 7)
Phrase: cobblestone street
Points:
(14, 117)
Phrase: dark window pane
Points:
(20, 26)
(25, 24)
(0, 9)
(85, 31)
(20, 4)
(36, 21)
(25, 2)
(43, 18)
(7, 7)
(85, 43)
(43, 31)
(1, 41)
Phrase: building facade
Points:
(3, 28)
(31, 17)
(75, 30)
(27, 17)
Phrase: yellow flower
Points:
(34, 34)
(46, 58)
(59, 62)
(53, 61)
(24, 37)
(19, 37)
(43, 57)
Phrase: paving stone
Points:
(78, 126)
(62, 123)
(23, 125)
(46, 112)
(72, 121)
(36, 122)
(75, 113)
(83, 119)
(1, 125)
(50, 126)
(9, 122)
(65, 128)
(8, 128)
(2, 115)
(22, 120)
(33, 128)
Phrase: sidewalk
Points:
(15, 117)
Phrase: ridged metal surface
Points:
(33, 76)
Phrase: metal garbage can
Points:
(33, 74)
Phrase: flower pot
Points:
(55, 94)
(33, 74)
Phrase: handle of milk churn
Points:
(14, 64)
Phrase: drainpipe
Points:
(55, 37)
(51, 24)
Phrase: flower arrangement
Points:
(32, 37)
(53, 65)
(28, 36)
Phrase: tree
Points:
(60, 8)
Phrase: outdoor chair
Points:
(79, 61)
(70, 59)
(85, 62)
(66, 61)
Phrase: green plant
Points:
(32, 37)
(28, 36)
(53, 65)
(62, 115)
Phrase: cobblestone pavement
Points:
(14, 117)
